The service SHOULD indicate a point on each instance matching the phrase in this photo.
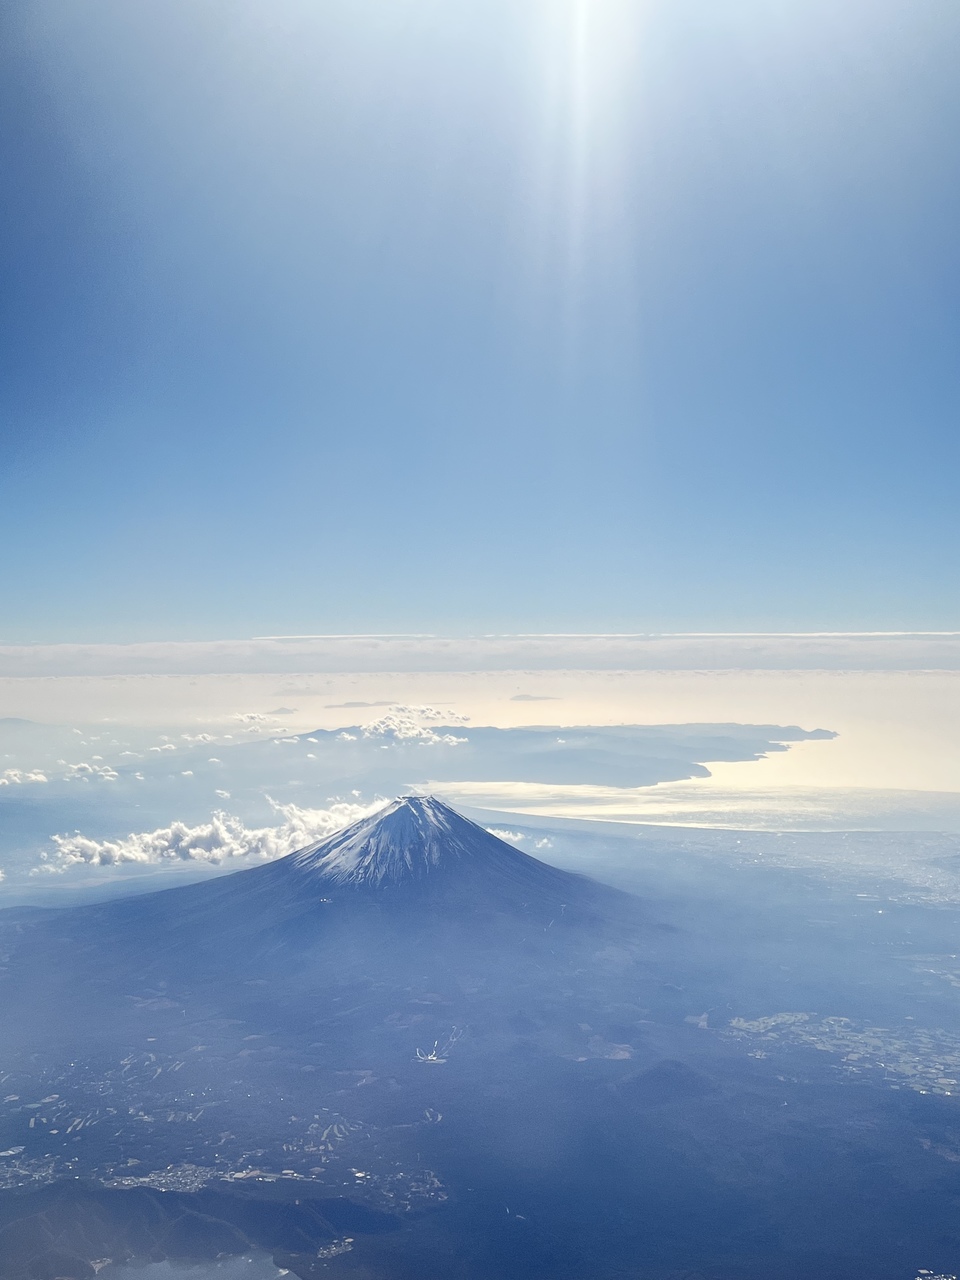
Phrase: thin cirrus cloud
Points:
(715, 651)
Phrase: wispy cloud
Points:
(339, 706)
(224, 838)
(516, 837)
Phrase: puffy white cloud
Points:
(223, 839)
(17, 777)
(412, 724)
(253, 721)
(85, 772)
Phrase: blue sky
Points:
(334, 316)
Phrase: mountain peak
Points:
(412, 838)
(419, 849)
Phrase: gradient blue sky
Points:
(334, 315)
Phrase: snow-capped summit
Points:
(420, 843)
(420, 849)
(410, 839)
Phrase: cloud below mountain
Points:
(224, 838)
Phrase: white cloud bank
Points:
(412, 724)
(405, 724)
(223, 839)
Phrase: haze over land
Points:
(411, 1047)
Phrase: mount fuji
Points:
(414, 889)
(421, 841)
(415, 855)
(311, 1018)
(415, 878)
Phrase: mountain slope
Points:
(415, 887)
(415, 859)
(416, 838)
(418, 849)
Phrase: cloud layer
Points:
(303, 655)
